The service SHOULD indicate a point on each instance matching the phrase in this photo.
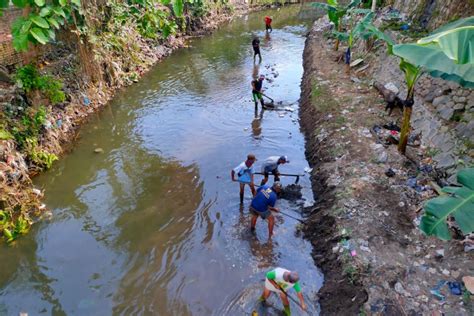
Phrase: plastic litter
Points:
(455, 288)
(86, 101)
(436, 290)
(390, 173)
(469, 283)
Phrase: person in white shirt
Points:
(280, 281)
(245, 174)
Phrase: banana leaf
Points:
(459, 203)
(437, 63)
(457, 44)
(456, 24)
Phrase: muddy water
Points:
(152, 226)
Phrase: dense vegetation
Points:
(113, 43)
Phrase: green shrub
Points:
(29, 78)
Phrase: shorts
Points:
(256, 96)
(263, 215)
(256, 51)
(269, 286)
(268, 27)
(274, 172)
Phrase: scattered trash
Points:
(455, 288)
(86, 101)
(436, 290)
(356, 62)
(404, 27)
(439, 253)
(98, 150)
(468, 248)
(390, 173)
(308, 169)
(382, 157)
(426, 168)
(469, 283)
(392, 127)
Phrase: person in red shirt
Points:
(268, 23)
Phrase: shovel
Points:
(287, 175)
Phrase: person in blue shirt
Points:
(263, 204)
(244, 173)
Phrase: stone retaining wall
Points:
(443, 113)
(433, 13)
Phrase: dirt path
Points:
(363, 229)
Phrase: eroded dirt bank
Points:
(84, 97)
(364, 226)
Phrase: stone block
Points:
(446, 113)
(440, 100)
(459, 106)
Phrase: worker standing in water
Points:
(263, 204)
(280, 281)
(256, 49)
(268, 23)
(270, 166)
(244, 173)
(257, 92)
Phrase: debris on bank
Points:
(364, 227)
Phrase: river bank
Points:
(86, 92)
(364, 226)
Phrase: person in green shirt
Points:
(281, 280)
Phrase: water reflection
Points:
(257, 124)
(150, 226)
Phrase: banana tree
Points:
(457, 202)
(336, 13)
(363, 29)
(448, 53)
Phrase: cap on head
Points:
(293, 277)
(251, 157)
(284, 159)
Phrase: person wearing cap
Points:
(268, 23)
(270, 165)
(256, 49)
(263, 204)
(244, 173)
(257, 95)
(281, 280)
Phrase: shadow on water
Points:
(153, 226)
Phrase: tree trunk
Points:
(374, 5)
(407, 109)
(339, 29)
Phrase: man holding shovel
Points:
(280, 281)
(257, 92)
(263, 204)
(244, 173)
(270, 165)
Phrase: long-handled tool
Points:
(266, 96)
(292, 298)
(286, 175)
(290, 216)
